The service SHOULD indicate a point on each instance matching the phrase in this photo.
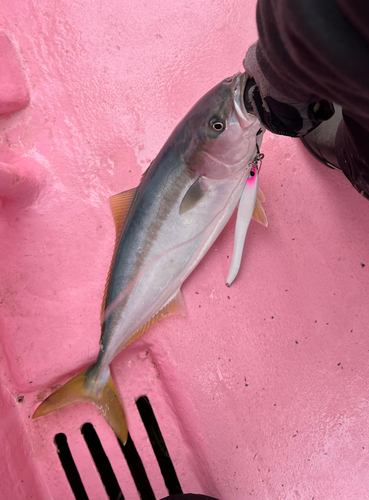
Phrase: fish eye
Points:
(217, 125)
(252, 173)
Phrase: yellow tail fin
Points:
(76, 390)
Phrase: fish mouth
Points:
(238, 89)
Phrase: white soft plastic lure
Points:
(248, 208)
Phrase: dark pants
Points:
(352, 149)
(319, 49)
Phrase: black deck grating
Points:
(131, 455)
(69, 467)
(102, 462)
(137, 469)
(158, 444)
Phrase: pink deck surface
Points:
(261, 391)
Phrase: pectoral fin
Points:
(192, 197)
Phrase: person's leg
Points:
(352, 149)
(310, 53)
(321, 142)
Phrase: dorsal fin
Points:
(145, 173)
(120, 205)
(175, 306)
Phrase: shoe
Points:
(321, 141)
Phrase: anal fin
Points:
(174, 306)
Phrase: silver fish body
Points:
(180, 207)
(161, 245)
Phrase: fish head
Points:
(223, 135)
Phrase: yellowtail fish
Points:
(164, 228)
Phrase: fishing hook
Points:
(257, 159)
